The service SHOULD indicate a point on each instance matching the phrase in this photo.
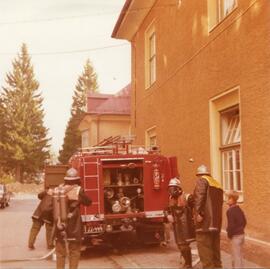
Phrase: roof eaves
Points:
(121, 18)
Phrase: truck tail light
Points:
(109, 228)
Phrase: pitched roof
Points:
(96, 99)
(118, 104)
(131, 17)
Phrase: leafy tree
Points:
(87, 82)
(24, 143)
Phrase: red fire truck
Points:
(128, 188)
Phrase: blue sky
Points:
(52, 27)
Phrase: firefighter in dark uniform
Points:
(69, 234)
(42, 215)
(208, 202)
(181, 216)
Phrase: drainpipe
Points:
(135, 84)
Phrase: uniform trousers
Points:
(208, 244)
(74, 248)
(36, 226)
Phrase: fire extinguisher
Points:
(156, 177)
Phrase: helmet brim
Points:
(71, 178)
(202, 173)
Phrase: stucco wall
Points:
(113, 126)
(193, 66)
(103, 126)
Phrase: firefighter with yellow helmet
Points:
(180, 215)
(67, 199)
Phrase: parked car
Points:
(4, 196)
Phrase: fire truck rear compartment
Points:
(123, 186)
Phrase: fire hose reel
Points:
(121, 205)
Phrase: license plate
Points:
(93, 229)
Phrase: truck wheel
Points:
(3, 205)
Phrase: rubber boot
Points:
(186, 253)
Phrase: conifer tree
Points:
(24, 142)
(87, 82)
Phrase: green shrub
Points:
(6, 178)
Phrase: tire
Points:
(3, 205)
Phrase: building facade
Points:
(107, 116)
(201, 91)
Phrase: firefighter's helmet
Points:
(174, 187)
(175, 182)
(202, 170)
(72, 174)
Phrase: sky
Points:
(61, 35)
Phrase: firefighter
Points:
(180, 215)
(69, 229)
(208, 201)
(42, 215)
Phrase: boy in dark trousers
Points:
(235, 229)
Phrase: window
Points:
(225, 140)
(150, 57)
(85, 139)
(226, 7)
(218, 10)
(151, 137)
(152, 140)
(230, 149)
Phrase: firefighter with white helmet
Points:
(180, 215)
(67, 199)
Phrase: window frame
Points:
(216, 12)
(85, 137)
(236, 181)
(150, 133)
(226, 99)
(150, 56)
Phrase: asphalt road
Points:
(15, 224)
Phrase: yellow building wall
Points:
(103, 126)
(112, 126)
(195, 65)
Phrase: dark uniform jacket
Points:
(44, 210)
(76, 197)
(208, 201)
(183, 226)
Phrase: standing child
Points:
(235, 229)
